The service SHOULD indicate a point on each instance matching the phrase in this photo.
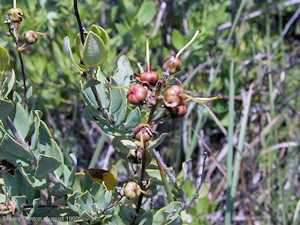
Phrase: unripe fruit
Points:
(136, 94)
(132, 190)
(145, 129)
(31, 37)
(173, 64)
(135, 156)
(16, 14)
(179, 110)
(149, 76)
(173, 94)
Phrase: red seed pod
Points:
(173, 64)
(149, 76)
(145, 129)
(179, 110)
(31, 37)
(136, 94)
(16, 14)
(174, 94)
(132, 190)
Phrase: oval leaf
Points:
(204, 190)
(94, 51)
(101, 33)
(4, 59)
(133, 118)
(46, 164)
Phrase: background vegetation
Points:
(248, 51)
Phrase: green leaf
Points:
(36, 202)
(146, 218)
(35, 136)
(85, 202)
(119, 116)
(133, 118)
(122, 145)
(204, 190)
(19, 201)
(71, 201)
(101, 33)
(116, 97)
(31, 179)
(89, 95)
(124, 72)
(169, 214)
(102, 197)
(10, 84)
(46, 164)
(3, 198)
(146, 13)
(13, 152)
(100, 76)
(58, 155)
(44, 141)
(4, 60)
(6, 108)
(12, 183)
(94, 115)
(155, 143)
(21, 120)
(82, 182)
(67, 49)
(60, 189)
(177, 39)
(78, 46)
(94, 51)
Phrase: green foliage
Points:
(4, 60)
(45, 142)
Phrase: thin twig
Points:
(16, 133)
(79, 21)
(160, 14)
(20, 139)
(22, 67)
(205, 154)
(279, 146)
(171, 176)
(143, 173)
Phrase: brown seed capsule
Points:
(179, 110)
(132, 190)
(136, 94)
(16, 14)
(145, 129)
(149, 76)
(173, 64)
(31, 37)
(173, 94)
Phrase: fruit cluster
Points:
(14, 18)
(150, 90)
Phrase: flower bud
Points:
(136, 94)
(16, 14)
(173, 64)
(132, 190)
(144, 129)
(31, 37)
